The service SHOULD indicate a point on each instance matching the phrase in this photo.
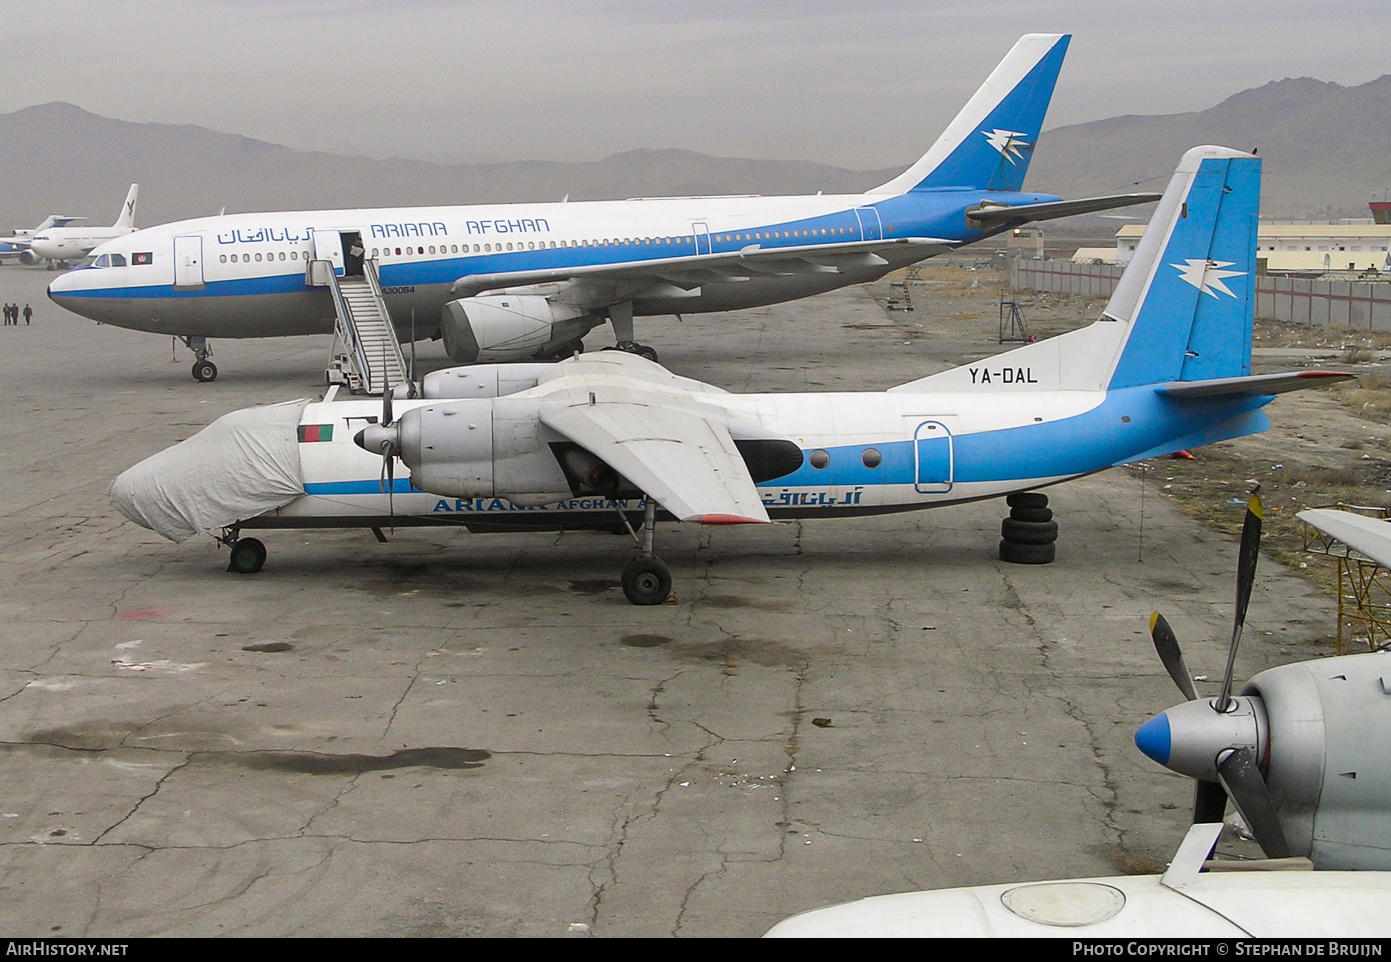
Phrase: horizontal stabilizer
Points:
(990, 216)
(1257, 385)
(1369, 536)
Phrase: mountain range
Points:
(1325, 146)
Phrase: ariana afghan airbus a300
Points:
(509, 282)
(570, 444)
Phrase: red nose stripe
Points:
(728, 519)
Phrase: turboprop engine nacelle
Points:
(482, 448)
(483, 380)
(1320, 729)
(510, 327)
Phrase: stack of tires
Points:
(1029, 533)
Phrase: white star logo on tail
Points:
(1007, 142)
(1207, 276)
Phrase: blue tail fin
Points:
(1188, 295)
(989, 144)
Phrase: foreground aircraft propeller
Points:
(384, 438)
(1219, 741)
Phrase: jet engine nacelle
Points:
(27, 256)
(482, 448)
(510, 327)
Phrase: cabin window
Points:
(258, 257)
(871, 458)
(294, 255)
(282, 255)
(224, 258)
(819, 459)
(398, 252)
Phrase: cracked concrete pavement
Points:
(476, 735)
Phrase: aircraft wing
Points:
(1369, 536)
(692, 270)
(988, 216)
(684, 459)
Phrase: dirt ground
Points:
(1324, 448)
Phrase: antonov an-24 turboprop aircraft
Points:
(569, 444)
(508, 282)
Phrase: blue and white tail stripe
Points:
(1182, 310)
(1188, 294)
(989, 144)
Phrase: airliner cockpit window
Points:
(118, 260)
(90, 262)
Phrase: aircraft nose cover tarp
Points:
(243, 464)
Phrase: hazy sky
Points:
(863, 85)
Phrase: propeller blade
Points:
(1171, 655)
(390, 459)
(1245, 578)
(1209, 802)
(1241, 777)
(386, 398)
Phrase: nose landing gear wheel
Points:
(204, 371)
(646, 581)
(248, 556)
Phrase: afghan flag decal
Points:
(308, 433)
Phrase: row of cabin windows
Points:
(246, 258)
(488, 248)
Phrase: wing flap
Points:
(685, 460)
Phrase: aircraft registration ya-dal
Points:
(507, 282)
(61, 243)
(570, 444)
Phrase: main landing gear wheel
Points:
(204, 371)
(248, 556)
(633, 347)
(646, 581)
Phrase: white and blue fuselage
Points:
(862, 453)
(246, 275)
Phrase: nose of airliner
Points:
(61, 292)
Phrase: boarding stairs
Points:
(366, 352)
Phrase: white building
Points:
(1301, 248)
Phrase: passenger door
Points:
(188, 263)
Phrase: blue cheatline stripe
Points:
(933, 214)
(1088, 442)
(398, 486)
